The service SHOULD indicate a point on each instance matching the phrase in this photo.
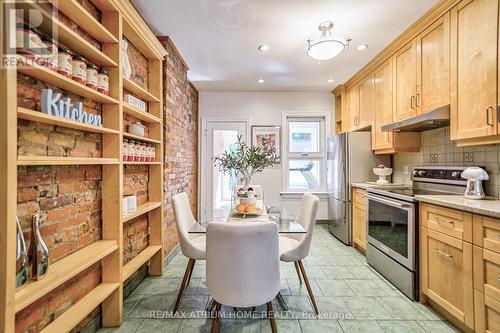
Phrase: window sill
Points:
(298, 195)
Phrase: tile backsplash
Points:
(438, 149)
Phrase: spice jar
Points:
(144, 152)
(28, 41)
(137, 157)
(79, 69)
(103, 81)
(64, 62)
(125, 150)
(131, 151)
(92, 76)
(49, 53)
(151, 153)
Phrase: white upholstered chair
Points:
(295, 248)
(192, 246)
(243, 266)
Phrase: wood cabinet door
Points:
(353, 106)
(487, 272)
(433, 66)
(447, 273)
(383, 106)
(473, 60)
(405, 82)
(359, 225)
(487, 311)
(366, 102)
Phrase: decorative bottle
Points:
(39, 253)
(22, 263)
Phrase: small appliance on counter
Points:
(475, 177)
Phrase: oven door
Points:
(391, 228)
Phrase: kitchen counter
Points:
(488, 206)
(366, 186)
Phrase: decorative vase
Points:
(39, 253)
(22, 262)
(382, 174)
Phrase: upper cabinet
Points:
(383, 106)
(473, 90)
(433, 66)
(352, 107)
(366, 102)
(405, 82)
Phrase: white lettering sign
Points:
(53, 105)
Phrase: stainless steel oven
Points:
(391, 228)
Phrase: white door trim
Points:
(202, 150)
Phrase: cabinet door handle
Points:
(412, 102)
(418, 100)
(488, 112)
(443, 254)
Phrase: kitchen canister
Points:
(124, 206)
(137, 129)
(131, 203)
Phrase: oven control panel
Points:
(451, 174)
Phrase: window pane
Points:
(304, 136)
(303, 174)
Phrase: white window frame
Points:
(286, 117)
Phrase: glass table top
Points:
(284, 219)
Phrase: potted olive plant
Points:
(245, 161)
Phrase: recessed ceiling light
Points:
(330, 80)
(260, 80)
(362, 47)
(263, 48)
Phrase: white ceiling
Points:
(218, 39)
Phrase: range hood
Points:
(431, 120)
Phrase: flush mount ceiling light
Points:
(263, 48)
(330, 80)
(362, 47)
(260, 80)
(327, 46)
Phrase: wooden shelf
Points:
(139, 260)
(66, 36)
(149, 163)
(63, 270)
(139, 91)
(140, 138)
(71, 317)
(40, 117)
(54, 160)
(139, 114)
(142, 209)
(52, 77)
(87, 22)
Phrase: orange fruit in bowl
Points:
(250, 209)
(241, 208)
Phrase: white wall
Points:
(265, 108)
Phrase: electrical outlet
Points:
(434, 158)
(468, 157)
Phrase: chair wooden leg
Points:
(183, 284)
(308, 286)
(270, 315)
(298, 271)
(215, 321)
(191, 272)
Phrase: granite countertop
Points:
(366, 186)
(488, 206)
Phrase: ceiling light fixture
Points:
(330, 80)
(327, 46)
(260, 80)
(362, 47)
(263, 48)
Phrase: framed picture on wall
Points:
(269, 136)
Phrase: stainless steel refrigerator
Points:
(349, 160)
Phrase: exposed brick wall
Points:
(180, 116)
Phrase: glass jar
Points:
(125, 150)
(149, 156)
(144, 152)
(131, 151)
(28, 41)
(64, 62)
(92, 76)
(79, 69)
(50, 54)
(103, 81)
(137, 149)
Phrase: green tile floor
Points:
(351, 297)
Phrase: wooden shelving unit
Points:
(118, 18)
(140, 138)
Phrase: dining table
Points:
(286, 221)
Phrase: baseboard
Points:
(322, 221)
(169, 257)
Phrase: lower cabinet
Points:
(359, 226)
(458, 272)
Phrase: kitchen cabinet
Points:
(359, 219)
(433, 66)
(460, 265)
(352, 108)
(473, 87)
(405, 82)
(366, 102)
(339, 96)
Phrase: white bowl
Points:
(382, 171)
(248, 201)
